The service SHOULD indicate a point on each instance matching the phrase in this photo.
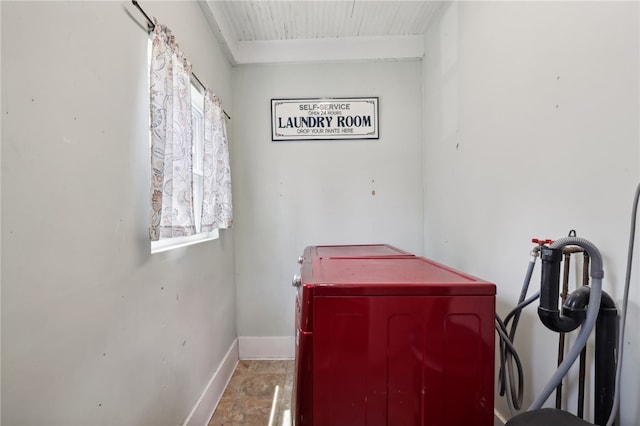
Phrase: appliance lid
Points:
(392, 276)
(357, 251)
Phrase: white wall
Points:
(531, 129)
(530, 115)
(292, 194)
(95, 330)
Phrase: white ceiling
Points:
(270, 31)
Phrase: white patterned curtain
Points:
(171, 139)
(216, 209)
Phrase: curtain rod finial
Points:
(150, 25)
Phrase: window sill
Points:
(174, 243)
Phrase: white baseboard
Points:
(272, 347)
(498, 419)
(205, 406)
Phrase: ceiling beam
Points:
(344, 49)
(215, 16)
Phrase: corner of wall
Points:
(271, 347)
(498, 418)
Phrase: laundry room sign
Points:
(324, 119)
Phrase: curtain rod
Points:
(150, 27)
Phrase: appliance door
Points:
(403, 360)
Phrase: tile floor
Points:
(250, 398)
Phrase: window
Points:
(197, 125)
(190, 173)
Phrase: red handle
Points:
(541, 242)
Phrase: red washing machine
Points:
(393, 340)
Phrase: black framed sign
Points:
(324, 119)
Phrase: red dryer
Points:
(387, 338)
